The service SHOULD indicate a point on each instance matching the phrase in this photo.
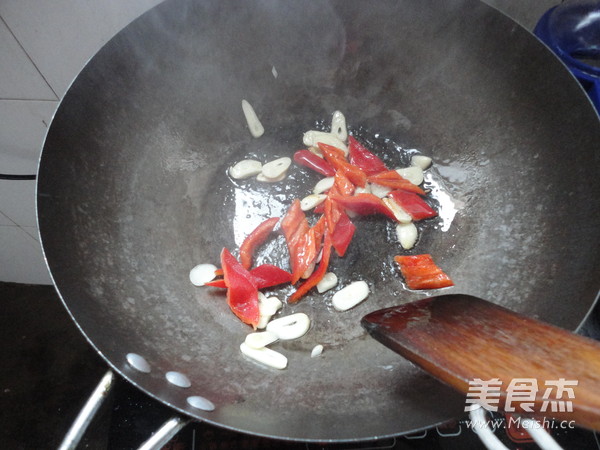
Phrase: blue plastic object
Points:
(572, 31)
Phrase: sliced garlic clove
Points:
(316, 351)
(245, 169)
(313, 137)
(260, 339)
(407, 235)
(364, 190)
(261, 177)
(268, 305)
(309, 270)
(350, 296)
(290, 327)
(323, 185)
(202, 274)
(401, 215)
(277, 167)
(254, 125)
(311, 201)
(413, 174)
(379, 191)
(316, 151)
(421, 161)
(265, 356)
(338, 126)
(328, 281)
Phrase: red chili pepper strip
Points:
(415, 206)
(312, 161)
(420, 272)
(317, 275)
(268, 275)
(219, 273)
(242, 294)
(363, 158)
(342, 184)
(392, 179)
(300, 240)
(339, 163)
(255, 239)
(263, 276)
(364, 204)
(344, 231)
(292, 220)
(217, 284)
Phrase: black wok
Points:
(133, 192)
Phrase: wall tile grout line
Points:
(16, 99)
(30, 59)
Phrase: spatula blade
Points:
(459, 338)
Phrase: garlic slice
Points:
(323, 185)
(289, 327)
(407, 235)
(260, 339)
(277, 167)
(265, 356)
(313, 137)
(328, 281)
(338, 126)
(261, 177)
(311, 201)
(379, 191)
(421, 161)
(254, 125)
(316, 351)
(350, 296)
(202, 274)
(401, 215)
(245, 169)
(413, 174)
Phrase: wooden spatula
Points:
(459, 339)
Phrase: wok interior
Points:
(133, 192)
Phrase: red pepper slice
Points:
(255, 239)
(242, 294)
(268, 275)
(317, 275)
(344, 231)
(364, 204)
(301, 240)
(292, 220)
(307, 159)
(342, 184)
(414, 205)
(394, 180)
(263, 276)
(420, 272)
(339, 163)
(363, 158)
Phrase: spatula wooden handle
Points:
(459, 338)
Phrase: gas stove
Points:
(49, 370)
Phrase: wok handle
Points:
(87, 413)
(158, 439)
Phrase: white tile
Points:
(61, 35)
(21, 258)
(17, 201)
(18, 76)
(23, 126)
(4, 220)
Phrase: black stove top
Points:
(49, 370)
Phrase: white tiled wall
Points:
(43, 46)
